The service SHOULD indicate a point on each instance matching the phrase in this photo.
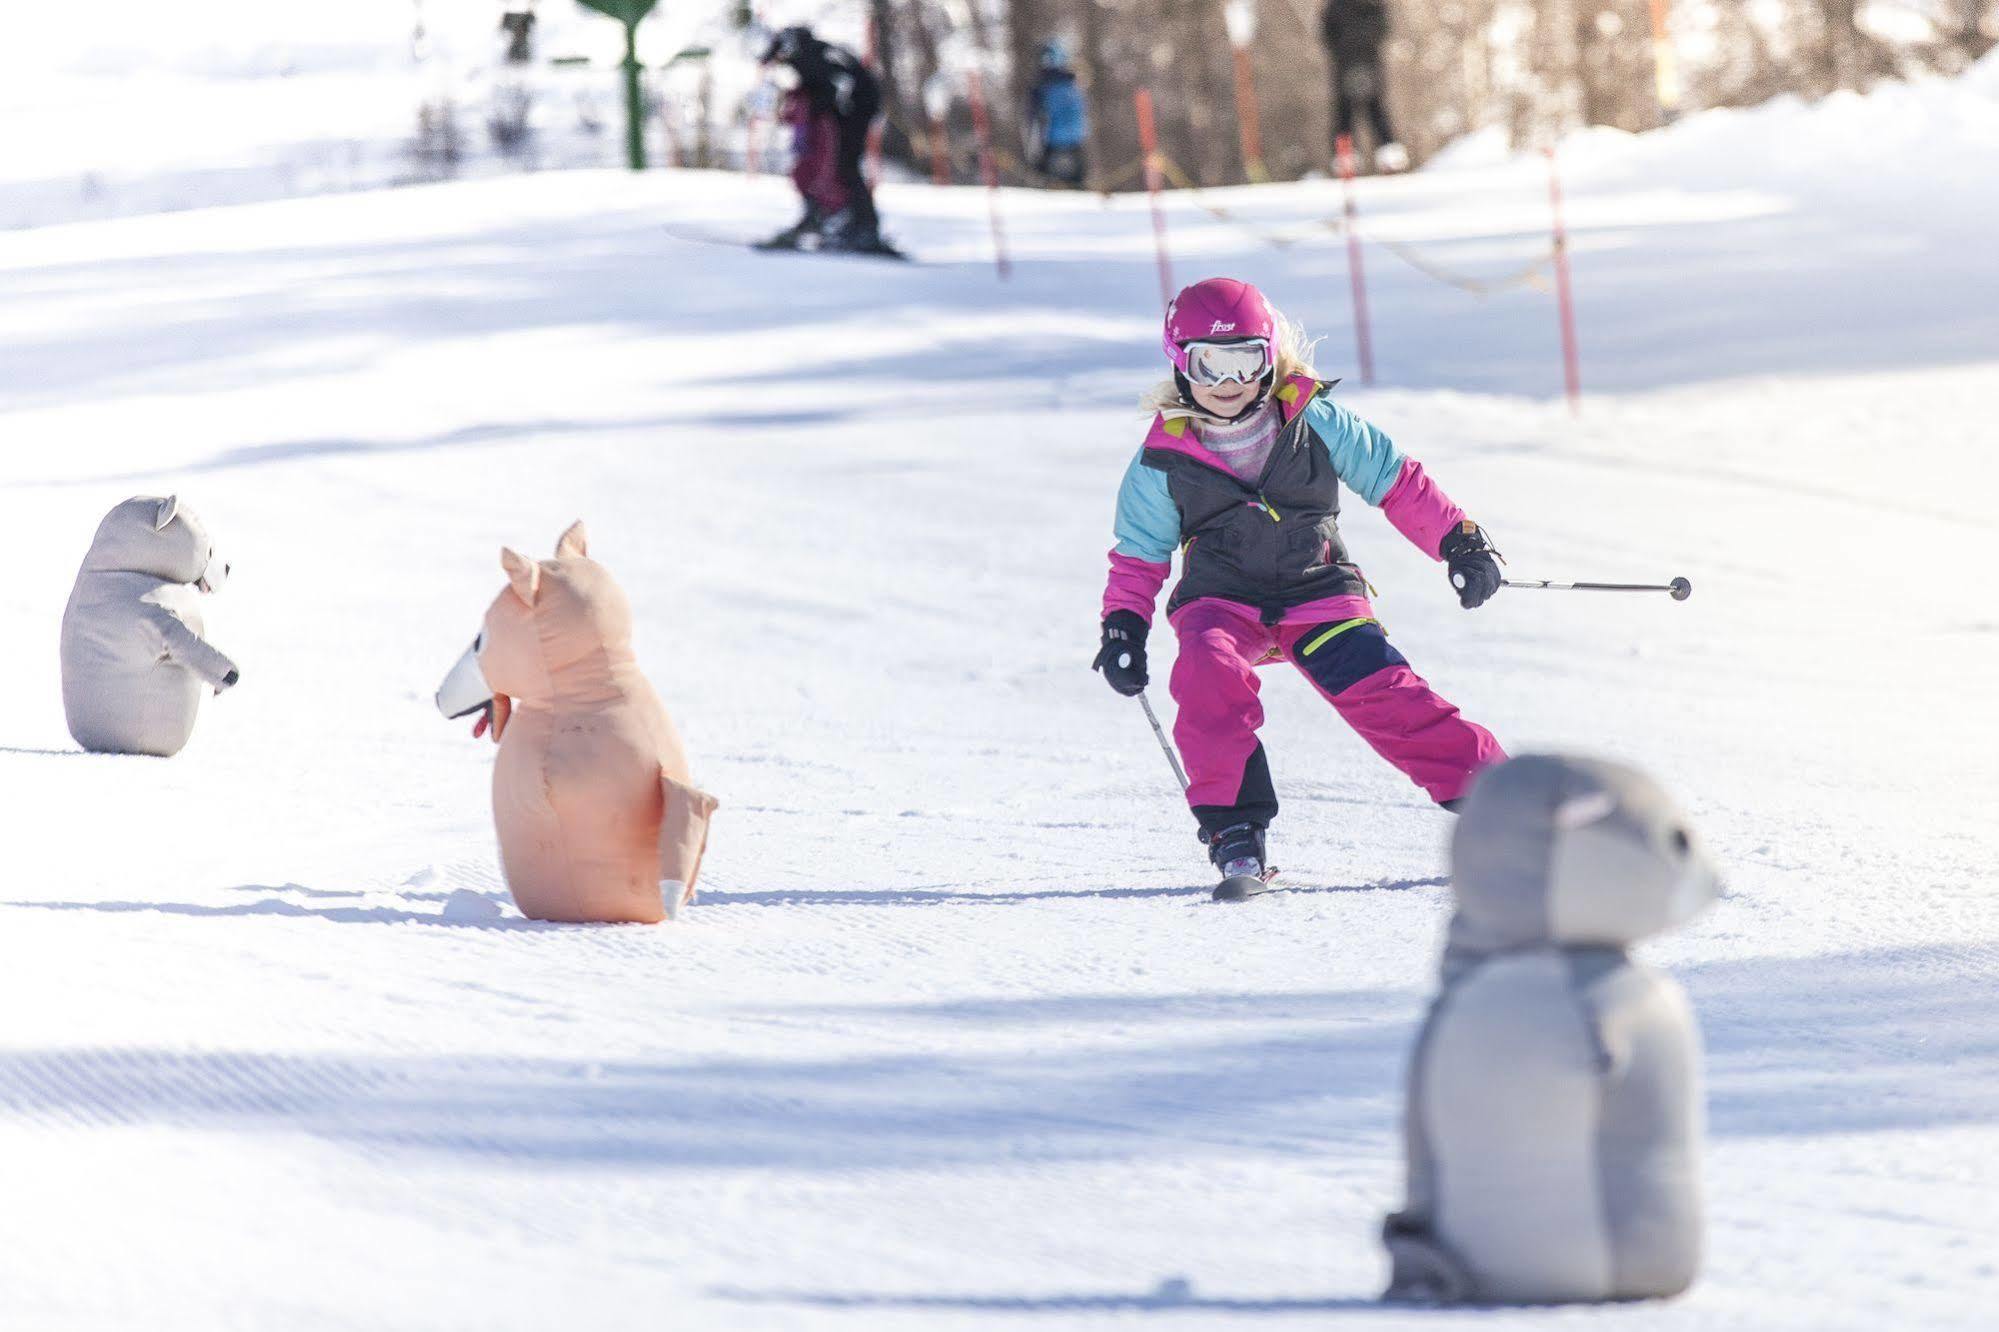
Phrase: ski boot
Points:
(846, 234)
(795, 236)
(1391, 159)
(1238, 853)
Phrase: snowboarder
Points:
(842, 99)
(1553, 1117)
(597, 818)
(1058, 121)
(1241, 473)
(1354, 32)
(133, 658)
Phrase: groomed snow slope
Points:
(955, 1038)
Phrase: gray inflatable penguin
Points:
(1554, 1107)
(133, 658)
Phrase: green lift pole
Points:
(629, 12)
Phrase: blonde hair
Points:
(1291, 354)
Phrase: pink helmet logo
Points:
(1222, 326)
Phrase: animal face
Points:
(160, 537)
(555, 619)
(1566, 850)
(1625, 864)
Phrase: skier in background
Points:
(1058, 122)
(1241, 474)
(518, 25)
(510, 121)
(815, 150)
(1354, 32)
(839, 89)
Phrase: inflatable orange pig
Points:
(596, 816)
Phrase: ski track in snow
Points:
(955, 1037)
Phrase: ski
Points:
(880, 250)
(782, 244)
(1242, 887)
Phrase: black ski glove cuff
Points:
(1121, 657)
(1474, 563)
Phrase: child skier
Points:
(843, 95)
(815, 139)
(1241, 472)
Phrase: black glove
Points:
(1474, 563)
(1122, 656)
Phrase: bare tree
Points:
(1536, 67)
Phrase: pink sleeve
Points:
(1419, 510)
(1134, 585)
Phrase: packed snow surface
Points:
(954, 1038)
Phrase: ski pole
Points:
(1164, 744)
(1679, 589)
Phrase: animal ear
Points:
(523, 573)
(165, 513)
(1582, 810)
(573, 543)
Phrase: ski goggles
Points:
(1242, 362)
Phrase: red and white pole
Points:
(1564, 296)
(983, 128)
(1148, 139)
(1356, 275)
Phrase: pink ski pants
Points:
(1351, 663)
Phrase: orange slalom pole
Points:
(983, 128)
(1665, 66)
(1148, 138)
(940, 154)
(1356, 275)
(1564, 295)
(1248, 124)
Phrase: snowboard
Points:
(1242, 887)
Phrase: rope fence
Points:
(1530, 274)
(992, 164)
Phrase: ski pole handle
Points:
(1164, 744)
(1679, 589)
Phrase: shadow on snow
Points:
(1881, 1040)
(1157, 1301)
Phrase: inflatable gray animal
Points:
(133, 658)
(1554, 1096)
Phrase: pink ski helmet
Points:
(1216, 310)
